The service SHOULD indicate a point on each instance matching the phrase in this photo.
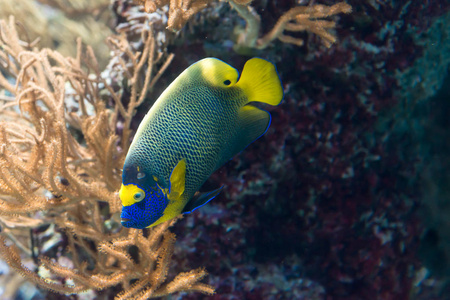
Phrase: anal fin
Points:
(200, 199)
(252, 124)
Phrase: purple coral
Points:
(324, 206)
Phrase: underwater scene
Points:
(225, 150)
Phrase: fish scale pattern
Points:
(196, 124)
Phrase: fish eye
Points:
(139, 196)
(227, 82)
(140, 175)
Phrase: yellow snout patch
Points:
(130, 194)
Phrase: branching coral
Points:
(180, 11)
(299, 18)
(64, 131)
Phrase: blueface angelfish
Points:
(197, 124)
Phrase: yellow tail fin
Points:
(260, 82)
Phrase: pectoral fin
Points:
(174, 193)
(177, 180)
(200, 199)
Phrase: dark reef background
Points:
(346, 196)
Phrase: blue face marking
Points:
(146, 212)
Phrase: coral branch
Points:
(299, 18)
(61, 154)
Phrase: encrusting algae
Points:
(63, 21)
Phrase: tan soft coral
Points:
(299, 18)
(60, 166)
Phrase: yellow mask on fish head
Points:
(130, 194)
(217, 73)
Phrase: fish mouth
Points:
(124, 220)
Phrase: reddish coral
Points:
(327, 188)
